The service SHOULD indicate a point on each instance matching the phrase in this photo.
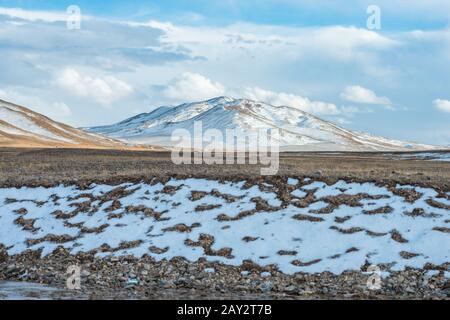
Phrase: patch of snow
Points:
(19, 119)
(10, 130)
(431, 273)
(298, 193)
(430, 156)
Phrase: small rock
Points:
(317, 174)
(291, 289)
(266, 286)
(85, 274)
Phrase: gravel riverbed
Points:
(144, 278)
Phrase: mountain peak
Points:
(298, 130)
(221, 99)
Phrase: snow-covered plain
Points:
(192, 219)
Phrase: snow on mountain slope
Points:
(21, 127)
(299, 131)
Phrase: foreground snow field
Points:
(310, 227)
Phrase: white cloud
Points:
(291, 100)
(342, 121)
(47, 16)
(350, 109)
(193, 87)
(62, 109)
(335, 42)
(104, 90)
(363, 95)
(441, 104)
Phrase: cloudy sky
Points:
(130, 57)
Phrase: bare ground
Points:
(179, 279)
(20, 167)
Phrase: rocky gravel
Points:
(128, 277)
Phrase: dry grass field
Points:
(20, 167)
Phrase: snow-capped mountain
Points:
(21, 127)
(298, 130)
